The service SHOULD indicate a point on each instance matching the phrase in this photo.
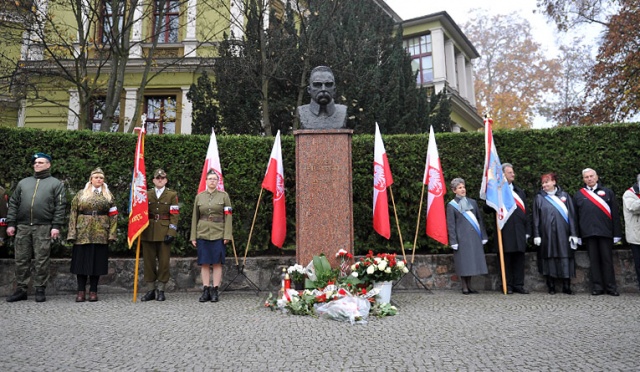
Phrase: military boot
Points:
(206, 296)
(214, 294)
(40, 297)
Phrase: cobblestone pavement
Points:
(439, 331)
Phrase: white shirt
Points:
(159, 192)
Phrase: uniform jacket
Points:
(592, 220)
(3, 214)
(212, 218)
(164, 213)
(37, 201)
(92, 220)
(631, 210)
(550, 226)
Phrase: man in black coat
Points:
(600, 228)
(515, 233)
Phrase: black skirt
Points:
(90, 259)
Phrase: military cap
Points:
(159, 173)
(38, 155)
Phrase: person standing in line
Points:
(35, 217)
(211, 230)
(4, 200)
(467, 236)
(555, 233)
(157, 238)
(93, 224)
(600, 228)
(515, 233)
(631, 210)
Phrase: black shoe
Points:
(40, 297)
(613, 293)
(151, 295)
(567, 291)
(214, 294)
(597, 293)
(465, 292)
(18, 295)
(520, 290)
(552, 291)
(472, 291)
(160, 296)
(206, 296)
(509, 291)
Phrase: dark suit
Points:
(163, 222)
(514, 242)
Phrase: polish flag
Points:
(212, 161)
(433, 178)
(138, 203)
(274, 182)
(381, 180)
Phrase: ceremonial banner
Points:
(434, 179)
(381, 180)
(212, 161)
(274, 182)
(495, 189)
(138, 205)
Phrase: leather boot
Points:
(206, 296)
(566, 286)
(151, 295)
(160, 296)
(81, 296)
(214, 294)
(551, 285)
(93, 296)
(40, 297)
(18, 295)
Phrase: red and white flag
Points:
(212, 161)
(381, 180)
(434, 179)
(274, 182)
(138, 205)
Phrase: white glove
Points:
(455, 247)
(537, 241)
(484, 241)
(527, 236)
(573, 241)
(616, 240)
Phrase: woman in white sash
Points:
(466, 235)
(555, 233)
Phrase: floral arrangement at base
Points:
(331, 295)
(383, 267)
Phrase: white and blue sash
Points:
(469, 216)
(559, 205)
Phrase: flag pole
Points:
(395, 212)
(255, 214)
(135, 271)
(415, 239)
(501, 253)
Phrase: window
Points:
(421, 60)
(97, 113)
(112, 22)
(166, 16)
(161, 114)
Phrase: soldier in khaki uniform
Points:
(3, 215)
(211, 230)
(164, 212)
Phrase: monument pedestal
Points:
(324, 194)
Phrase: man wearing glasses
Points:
(36, 214)
(164, 212)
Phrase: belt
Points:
(94, 213)
(212, 218)
(159, 216)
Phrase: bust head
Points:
(322, 85)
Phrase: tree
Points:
(613, 85)
(205, 110)
(512, 76)
(262, 77)
(87, 46)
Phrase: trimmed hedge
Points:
(612, 150)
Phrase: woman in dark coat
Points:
(555, 233)
(92, 225)
(466, 235)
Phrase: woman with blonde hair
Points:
(92, 225)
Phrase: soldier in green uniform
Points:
(4, 199)
(35, 216)
(211, 230)
(164, 212)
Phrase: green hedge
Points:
(613, 150)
